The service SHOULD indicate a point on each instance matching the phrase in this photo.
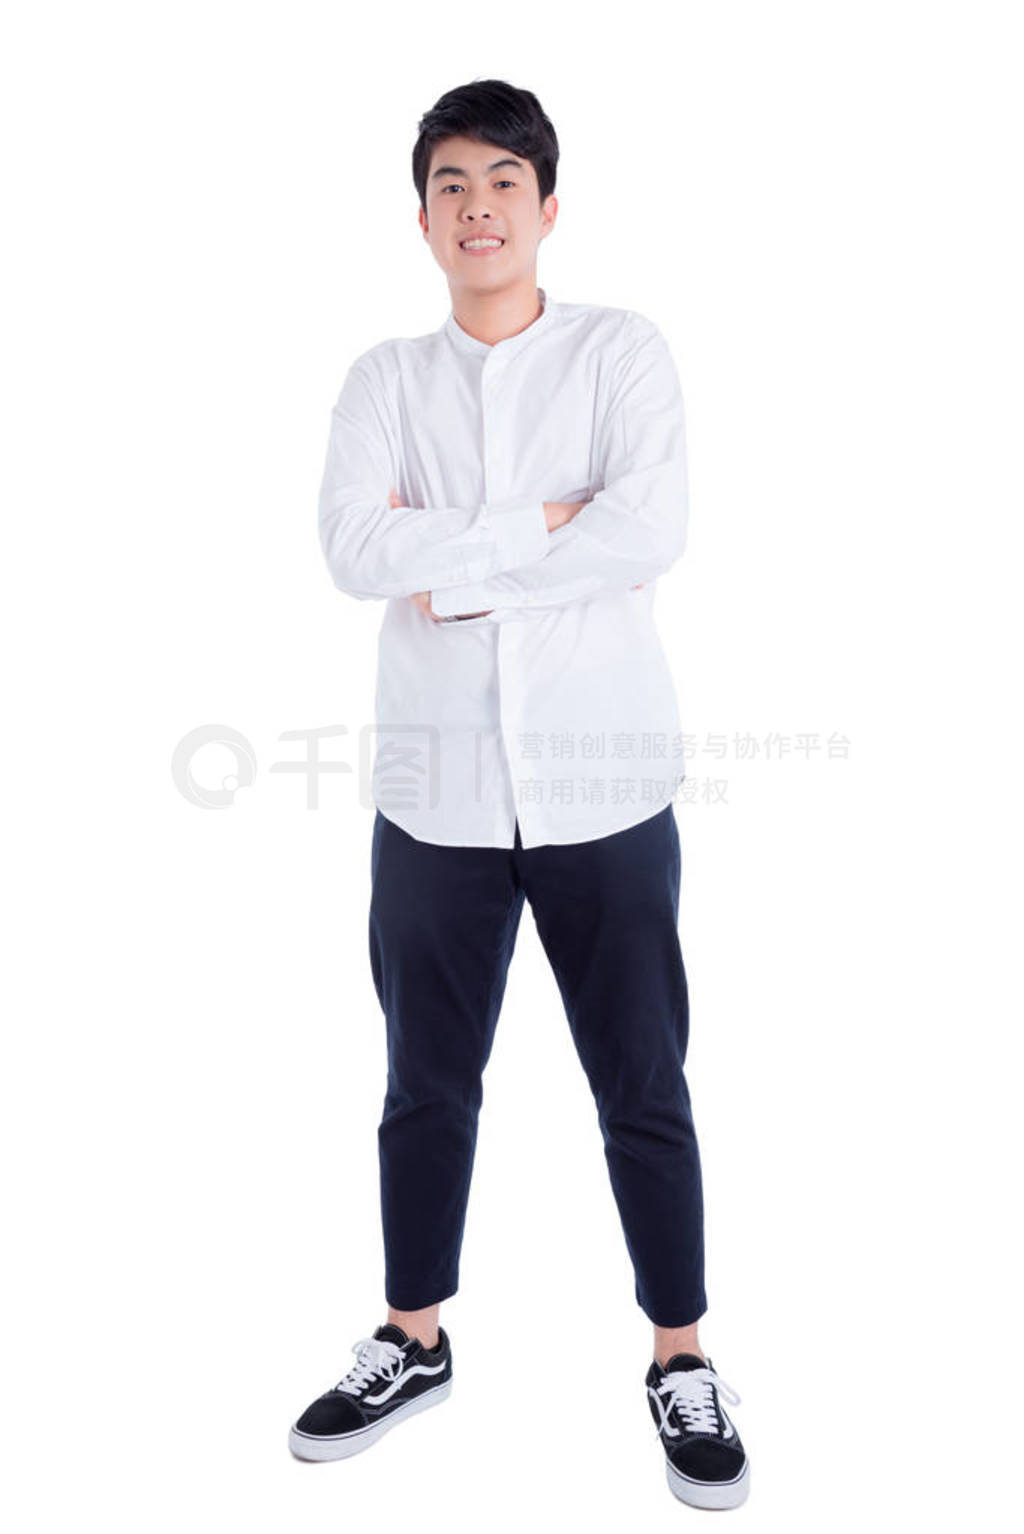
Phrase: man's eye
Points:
(453, 186)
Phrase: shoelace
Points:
(691, 1392)
(376, 1357)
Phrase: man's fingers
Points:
(422, 600)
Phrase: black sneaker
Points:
(394, 1376)
(706, 1463)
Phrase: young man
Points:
(513, 484)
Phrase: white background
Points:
(213, 213)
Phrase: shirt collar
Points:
(464, 342)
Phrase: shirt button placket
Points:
(488, 383)
(493, 364)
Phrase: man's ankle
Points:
(421, 1324)
(430, 1343)
(422, 1334)
(676, 1339)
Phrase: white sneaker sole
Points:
(312, 1446)
(709, 1493)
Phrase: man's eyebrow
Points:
(454, 170)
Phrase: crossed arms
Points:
(502, 553)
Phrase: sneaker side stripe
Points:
(385, 1395)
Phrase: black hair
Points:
(492, 112)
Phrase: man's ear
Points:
(548, 214)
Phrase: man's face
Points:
(483, 191)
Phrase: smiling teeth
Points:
(479, 244)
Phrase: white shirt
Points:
(558, 707)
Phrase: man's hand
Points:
(422, 598)
(558, 513)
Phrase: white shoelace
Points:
(690, 1391)
(376, 1357)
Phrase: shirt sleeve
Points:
(632, 530)
(375, 550)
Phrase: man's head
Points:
(484, 167)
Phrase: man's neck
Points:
(493, 317)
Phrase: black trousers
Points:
(442, 927)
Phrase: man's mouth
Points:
(482, 242)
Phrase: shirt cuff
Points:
(458, 599)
